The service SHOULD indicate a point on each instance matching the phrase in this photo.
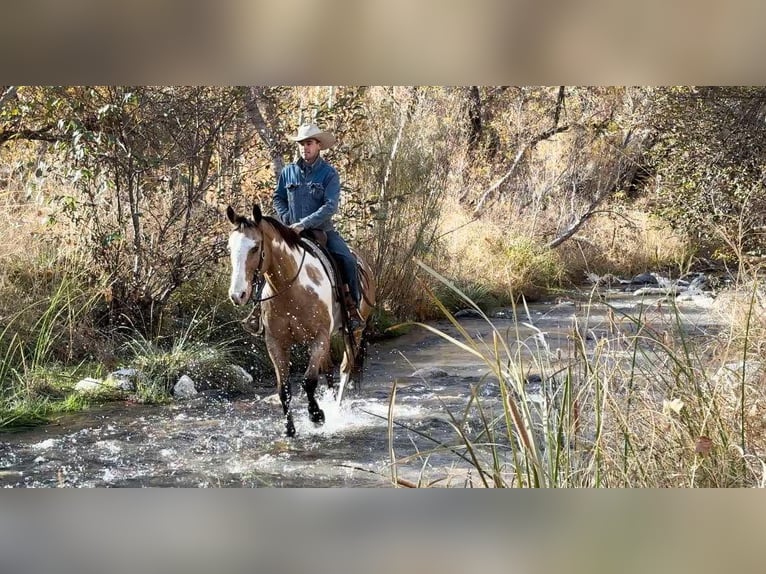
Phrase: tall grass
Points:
(35, 342)
(638, 399)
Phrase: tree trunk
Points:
(256, 100)
(474, 118)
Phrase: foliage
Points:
(710, 156)
(43, 331)
(126, 184)
(148, 166)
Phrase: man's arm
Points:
(279, 200)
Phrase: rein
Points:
(258, 284)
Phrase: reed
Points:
(631, 399)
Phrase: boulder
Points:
(467, 314)
(242, 374)
(644, 279)
(184, 389)
(90, 386)
(124, 379)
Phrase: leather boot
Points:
(355, 320)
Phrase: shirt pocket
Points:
(316, 190)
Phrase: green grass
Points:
(162, 364)
(31, 375)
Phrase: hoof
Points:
(317, 418)
(289, 429)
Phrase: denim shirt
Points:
(308, 195)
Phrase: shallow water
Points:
(219, 441)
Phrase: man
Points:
(307, 196)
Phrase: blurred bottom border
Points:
(379, 530)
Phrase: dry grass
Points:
(510, 257)
(504, 260)
(625, 244)
(653, 401)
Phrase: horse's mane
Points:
(290, 236)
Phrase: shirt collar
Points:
(310, 168)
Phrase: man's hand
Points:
(297, 227)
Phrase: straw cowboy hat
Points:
(311, 131)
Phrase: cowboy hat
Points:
(311, 131)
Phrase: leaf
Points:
(672, 406)
(703, 446)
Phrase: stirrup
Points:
(354, 322)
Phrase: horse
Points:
(299, 304)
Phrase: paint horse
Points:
(300, 304)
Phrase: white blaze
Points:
(239, 247)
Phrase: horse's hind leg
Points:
(281, 360)
(352, 365)
(319, 361)
(345, 375)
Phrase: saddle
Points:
(315, 241)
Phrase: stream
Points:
(218, 441)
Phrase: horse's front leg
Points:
(318, 362)
(280, 358)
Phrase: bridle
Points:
(259, 280)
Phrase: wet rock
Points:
(668, 291)
(696, 281)
(468, 314)
(644, 279)
(243, 375)
(608, 280)
(184, 388)
(503, 314)
(272, 399)
(90, 386)
(430, 373)
(697, 298)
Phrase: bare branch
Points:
(8, 94)
(489, 194)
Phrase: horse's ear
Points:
(257, 215)
(231, 215)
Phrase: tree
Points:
(709, 158)
(150, 166)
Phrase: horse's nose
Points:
(237, 299)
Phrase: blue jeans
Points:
(346, 261)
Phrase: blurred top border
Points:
(422, 42)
